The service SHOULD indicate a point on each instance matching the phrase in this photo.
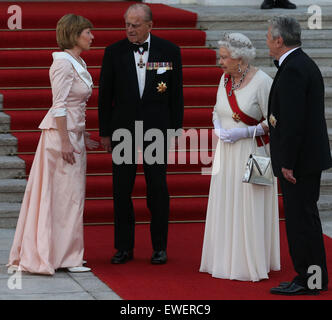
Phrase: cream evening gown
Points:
(241, 239)
(49, 232)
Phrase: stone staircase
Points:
(316, 43)
(214, 20)
(12, 174)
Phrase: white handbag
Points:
(258, 168)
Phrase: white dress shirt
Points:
(141, 72)
(285, 55)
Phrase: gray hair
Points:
(238, 45)
(141, 6)
(288, 29)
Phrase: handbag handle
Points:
(255, 145)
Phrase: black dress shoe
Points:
(286, 284)
(285, 4)
(122, 257)
(267, 4)
(159, 257)
(293, 290)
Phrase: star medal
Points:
(236, 117)
(272, 120)
(161, 87)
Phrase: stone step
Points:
(326, 184)
(4, 122)
(251, 17)
(328, 97)
(9, 212)
(330, 136)
(325, 211)
(322, 57)
(327, 226)
(11, 167)
(328, 116)
(325, 202)
(12, 190)
(326, 73)
(8, 144)
(310, 38)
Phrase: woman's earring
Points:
(240, 70)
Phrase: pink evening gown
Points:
(49, 232)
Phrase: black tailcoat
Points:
(120, 105)
(299, 141)
(119, 100)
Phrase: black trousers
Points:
(156, 195)
(303, 226)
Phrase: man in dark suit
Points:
(284, 4)
(140, 87)
(299, 151)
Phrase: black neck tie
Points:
(144, 46)
(276, 63)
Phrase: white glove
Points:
(218, 130)
(259, 131)
(235, 134)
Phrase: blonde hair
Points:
(69, 28)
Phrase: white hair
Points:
(288, 29)
(238, 45)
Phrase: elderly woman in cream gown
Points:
(241, 239)
(49, 232)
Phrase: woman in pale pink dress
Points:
(49, 232)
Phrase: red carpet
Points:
(43, 57)
(45, 39)
(101, 14)
(180, 279)
(100, 163)
(42, 98)
(194, 117)
(25, 56)
(24, 82)
(40, 77)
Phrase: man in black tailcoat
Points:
(140, 89)
(300, 151)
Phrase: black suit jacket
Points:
(299, 139)
(119, 101)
